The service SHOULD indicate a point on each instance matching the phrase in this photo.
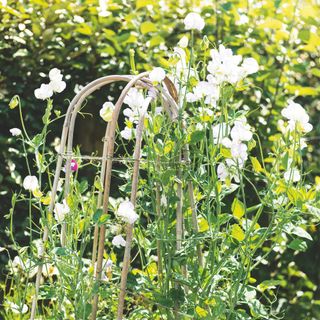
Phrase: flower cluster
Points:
(225, 66)
(297, 116)
(56, 84)
(61, 210)
(127, 213)
(240, 133)
(138, 105)
(297, 125)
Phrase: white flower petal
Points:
(118, 241)
(15, 132)
(193, 21)
(30, 183)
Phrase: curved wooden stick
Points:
(129, 233)
(111, 129)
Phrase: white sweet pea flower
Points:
(313, 210)
(228, 171)
(137, 103)
(224, 66)
(222, 172)
(157, 75)
(28, 267)
(17, 262)
(60, 211)
(239, 151)
(126, 212)
(134, 99)
(118, 241)
(44, 92)
(183, 42)
(15, 132)
(243, 19)
(204, 90)
(292, 175)
(106, 111)
(56, 85)
(193, 21)
(17, 309)
(303, 143)
(199, 126)
(220, 131)
(250, 65)
(241, 130)
(55, 75)
(56, 82)
(31, 183)
(297, 115)
(127, 133)
(78, 19)
(280, 201)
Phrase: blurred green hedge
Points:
(88, 39)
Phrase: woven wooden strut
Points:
(169, 97)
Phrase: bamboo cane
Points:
(129, 233)
(158, 211)
(111, 128)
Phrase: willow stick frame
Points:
(169, 97)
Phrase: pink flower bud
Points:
(74, 165)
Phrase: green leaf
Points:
(97, 215)
(203, 224)
(167, 175)
(37, 140)
(83, 186)
(237, 232)
(300, 232)
(298, 245)
(147, 27)
(258, 310)
(104, 217)
(177, 294)
(315, 72)
(123, 37)
(143, 3)
(60, 251)
(196, 136)
(256, 164)
(238, 209)
(156, 40)
(84, 29)
(202, 313)
(269, 284)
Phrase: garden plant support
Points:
(169, 97)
